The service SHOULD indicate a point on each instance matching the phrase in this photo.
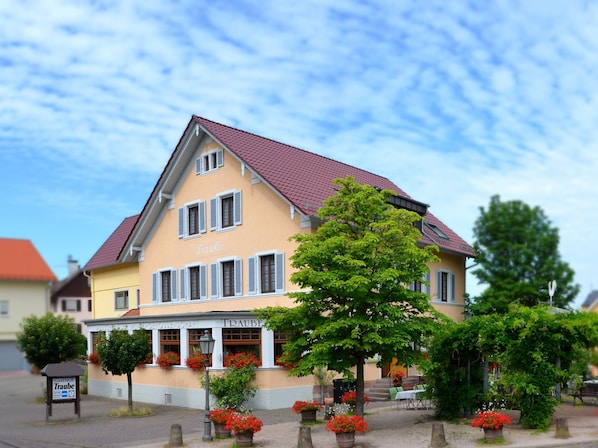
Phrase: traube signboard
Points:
(62, 385)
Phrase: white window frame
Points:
(157, 286)
(183, 219)
(185, 282)
(216, 210)
(209, 161)
(217, 282)
(450, 287)
(4, 308)
(255, 276)
(127, 299)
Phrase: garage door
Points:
(10, 357)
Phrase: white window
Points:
(445, 286)
(121, 300)
(192, 219)
(266, 273)
(193, 281)
(164, 286)
(209, 161)
(225, 210)
(226, 278)
(3, 308)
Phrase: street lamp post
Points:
(206, 345)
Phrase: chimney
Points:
(73, 265)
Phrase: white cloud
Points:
(452, 101)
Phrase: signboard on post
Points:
(62, 385)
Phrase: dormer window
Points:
(210, 161)
(437, 230)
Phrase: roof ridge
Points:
(297, 148)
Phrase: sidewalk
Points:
(23, 425)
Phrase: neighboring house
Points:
(212, 244)
(114, 285)
(25, 281)
(72, 296)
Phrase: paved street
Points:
(23, 425)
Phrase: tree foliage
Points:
(355, 272)
(50, 339)
(536, 348)
(517, 253)
(122, 352)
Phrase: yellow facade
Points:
(108, 281)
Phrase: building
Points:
(25, 282)
(212, 244)
(71, 296)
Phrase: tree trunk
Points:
(359, 388)
(130, 394)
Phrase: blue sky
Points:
(452, 101)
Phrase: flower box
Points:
(196, 362)
(491, 420)
(346, 423)
(168, 359)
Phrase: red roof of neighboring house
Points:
(107, 254)
(305, 179)
(20, 260)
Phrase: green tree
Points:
(122, 352)
(50, 339)
(536, 348)
(355, 272)
(517, 256)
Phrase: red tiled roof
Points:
(20, 260)
(107, 254)
(305, 179)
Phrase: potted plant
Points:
(219, 417)
(397, 378)
(345, 426)
(168, 359)
(492, 423)
(350, 398)
(307, 409)
(243, 426)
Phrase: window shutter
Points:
(452, 288)
(78, 305)
(173, 285)
(214, 214)
(203, 287)
(181, 222)
(202, 217)
(63, 306)
(237, 207)
(220, 158)
(238, 277)
(426, 286)
(438, 286)
(252, 280)
(183, 284)
(155, 288)
(214, 279)
(279, 266)
(198, 165)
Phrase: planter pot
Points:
(492, 434)
(309, 416)
(244, 438)
(220, 430)
(345, 439)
